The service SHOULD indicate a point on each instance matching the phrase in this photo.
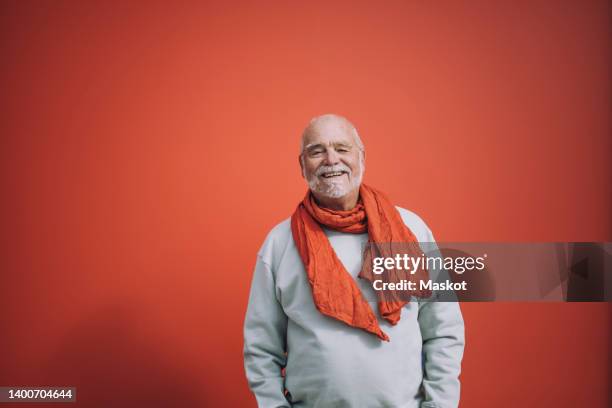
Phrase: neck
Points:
(344, 203)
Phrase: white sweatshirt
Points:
(332, 365)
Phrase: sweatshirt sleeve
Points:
(442, 330)
(265, 330)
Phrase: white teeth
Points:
(327, 175)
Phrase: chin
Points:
(329, 190)
(333, 191)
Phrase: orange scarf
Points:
(334, 291)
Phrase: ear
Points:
(301, 165)
(362, 155)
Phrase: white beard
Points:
(336, 188)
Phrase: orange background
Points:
(148, 147)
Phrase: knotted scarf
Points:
(335, 292)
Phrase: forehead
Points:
(328, 133)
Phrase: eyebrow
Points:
(311, 146)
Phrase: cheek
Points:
(310, 168)
(354, 165)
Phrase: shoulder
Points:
(277, 241)
(281, 231)
(416, 224)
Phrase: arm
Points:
(442, 330)
(265, 330)
(443, 336)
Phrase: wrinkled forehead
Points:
(328, 134)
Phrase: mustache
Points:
(332, 169)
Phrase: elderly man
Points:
(309, 315)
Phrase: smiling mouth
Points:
(333, 174)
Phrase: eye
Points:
(342, 150)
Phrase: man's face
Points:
(331, 161)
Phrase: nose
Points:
(331, 157)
